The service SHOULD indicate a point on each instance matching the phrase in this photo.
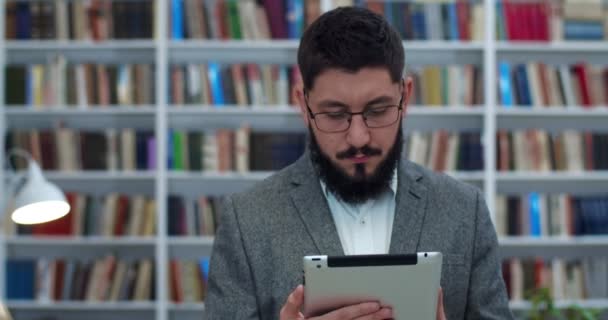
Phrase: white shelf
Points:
(551, 247)
(285, 51)
(563, 304)
(97, 117)
(217, 183)
(587, 182)
(114, 51)
(565, 46)
(72, 310)
(79, 247)
(103, 182)
(212, 183)
(81, 306)
(553, 52)
(289, 119)
(192, 248)
(187, 307)
(186, 311)
(553, 118)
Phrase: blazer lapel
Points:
(410, 208)
(312, 208)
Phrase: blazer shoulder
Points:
(268, 189)
(440, 181)
(456, 199)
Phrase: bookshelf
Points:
(162, 115)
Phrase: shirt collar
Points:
(392, 185)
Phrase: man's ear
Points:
(298, 92)
(408, 87)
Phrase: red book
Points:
(58, 278)
(509, 20)
(122, 212)
(175, 278)
(581, 73)
(544, 83)
(59, 227)
(462, 11)
(543, 15)
(275, 12)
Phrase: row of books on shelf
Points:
(446, 151)
(233, 84)
(199, 217)
(233, 150)
(548, 20)
(66, 149)
(278, 19)
(536, 84)
(111, 215)
(104, 279)
(241, 150)
(79, 20)
(59, 83)
(586, 278)
(188, 280)
(113, 279)
(539, 150)
(557, 215)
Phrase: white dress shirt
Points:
(364, 228)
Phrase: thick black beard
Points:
(360, 188)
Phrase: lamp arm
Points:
(15, 179)
(17, 152)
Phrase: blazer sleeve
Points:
(230, 290)
(487, 296)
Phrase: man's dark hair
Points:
(349, 38)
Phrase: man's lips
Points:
(359, 159)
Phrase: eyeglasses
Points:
(339, 121)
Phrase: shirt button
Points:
(362, 221)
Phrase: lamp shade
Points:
(38, 201)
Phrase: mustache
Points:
(352, 151)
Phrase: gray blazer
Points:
(264, 233)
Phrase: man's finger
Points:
(384, 313)
(291, 308)
(440, 311)
(352, 312)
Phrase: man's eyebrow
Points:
(328, 103)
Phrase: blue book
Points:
(170, 149)
(535, 225)
(583, 30)
(500, 22)
(177, 23)
(24, 20)
(453, 21)
(504, 83)
(295, 18)
(417, 18)
(20, 279)
(388, 13)
(523, 87)
(215, 82)
(203, 264)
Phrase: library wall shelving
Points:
(160, 110)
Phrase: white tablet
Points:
(408, 283)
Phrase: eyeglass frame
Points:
(312, 115)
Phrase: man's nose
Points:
(358, 133)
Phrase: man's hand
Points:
(362, 311)
(440, 311)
